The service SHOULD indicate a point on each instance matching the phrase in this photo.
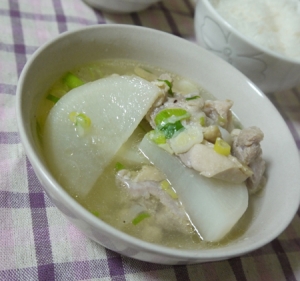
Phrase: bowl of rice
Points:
(260, 38)
(121, 6)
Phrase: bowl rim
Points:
(236, 32)
(191, 255)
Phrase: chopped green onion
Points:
(202, 121)
(39, 130)
(163, 117)
(72, 81)
(52, 98)
(192, 98)
(172, 193)
(171, 128)
(119, 166)
(157, 136)
(72, 116)
(140, 217)
(83, 120)
(80, 119)
(222, 147)
(165, 185)
(95, 213)
(170, 85)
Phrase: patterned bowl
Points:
(121, 6)
(269, 213)
(270, 71)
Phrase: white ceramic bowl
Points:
(121, 6)
(271, 212)
(270, 71)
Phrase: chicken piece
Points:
(203, 158)
(144, 189)
(246, 144)
(219, 111)
(147, 173)
(246, 148)
(257, 180)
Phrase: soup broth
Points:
(107, 200)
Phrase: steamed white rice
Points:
(274, 24)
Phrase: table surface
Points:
(36, 241)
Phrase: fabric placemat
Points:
(36, 241)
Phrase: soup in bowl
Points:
(92, 150)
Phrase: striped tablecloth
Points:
(36, 241)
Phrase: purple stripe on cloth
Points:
(24, 274)
(170, 20)
(283, 260)
(8, 89)
(18, 200)
(37, 200)
(136, 19)
(40, 228)
(46, 17)
(287, 120)
(297, 94)
(9, 138)
(99, 16)
(46, 272)
(18, 37)
(115, 265)
(69, 270)
(4, 12)
(13, 200)
(60, 17)
(181, 273)
(237, 268)
(297, 240)
(190, 7)
(10, 48)
(135, 266)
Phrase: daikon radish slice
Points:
(213, 206)
(88, 125)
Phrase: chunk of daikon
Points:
(214, 206)
(88, 125)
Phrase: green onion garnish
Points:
(95, 213)
(171, 128)
(157, 136)
(163, 117)
(83, 121)
(52, 98)
(170, 85)
(165, 185)
(192, 98)
(72, 81)
(202, 121)
(140, 217)
(80, 119)
(119, 166)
